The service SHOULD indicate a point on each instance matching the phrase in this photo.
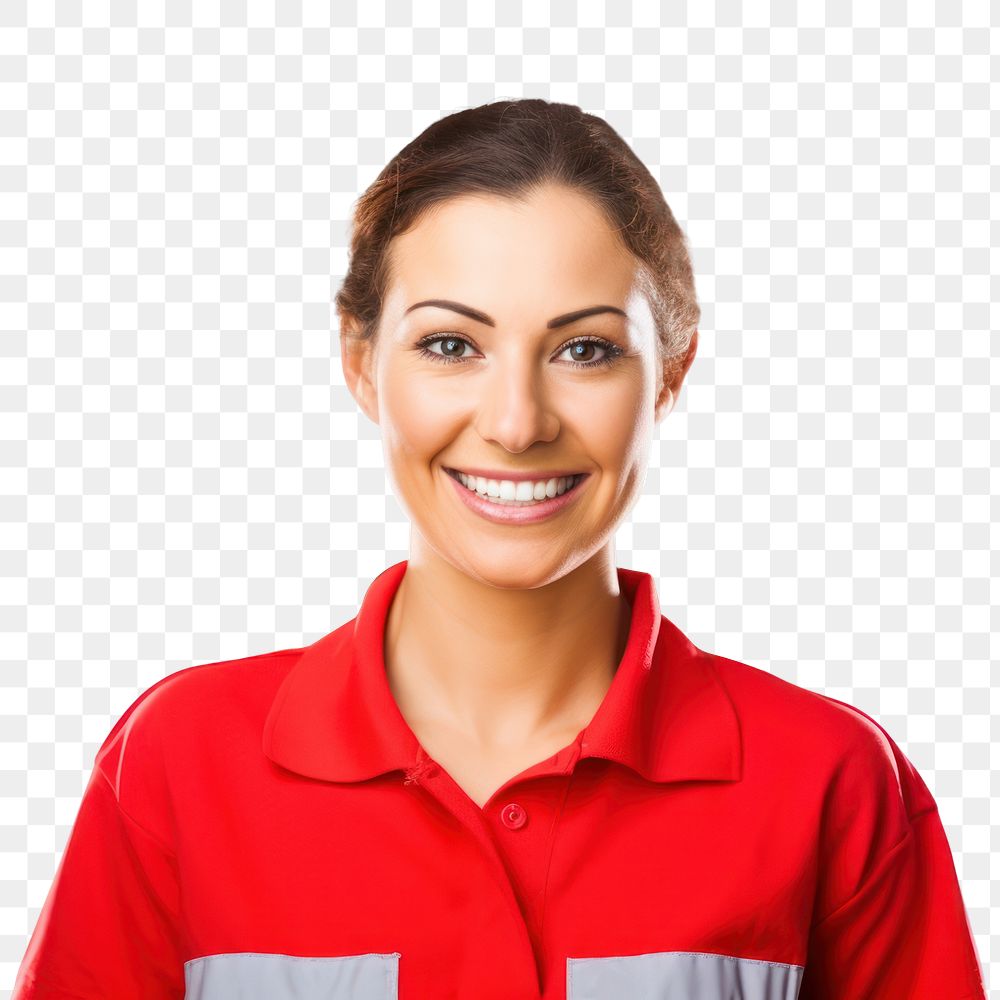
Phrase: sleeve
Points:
(108, 929)
(902, 931)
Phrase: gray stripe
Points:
(263, 976)
(681, 975)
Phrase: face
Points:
(519, 391)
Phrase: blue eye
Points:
(612, 352)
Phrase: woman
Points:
(510, 776)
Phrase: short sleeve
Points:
(108, 927)
(903, 932)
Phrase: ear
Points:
(357, 357)
(673, 376)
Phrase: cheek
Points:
(616, 439)
(415, 422)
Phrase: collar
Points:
(666, 715)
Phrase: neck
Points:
(502, 668)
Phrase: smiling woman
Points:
(510, 775)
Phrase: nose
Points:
(514, 409)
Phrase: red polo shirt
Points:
(270, 828)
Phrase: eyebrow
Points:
(481, 317)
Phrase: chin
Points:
(509, 569)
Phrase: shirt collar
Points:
(666, 714)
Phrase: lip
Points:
(515, 477)
(513, 514)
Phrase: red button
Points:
(513, 816)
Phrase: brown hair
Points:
(510, 148)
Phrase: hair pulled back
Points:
(510, 148)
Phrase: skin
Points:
(503, 640)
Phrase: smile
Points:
(505, 501)
(525, 491)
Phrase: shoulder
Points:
(186, 719)
(843, 746)
(185, 695)
(831, 771)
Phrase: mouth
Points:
(523, 493)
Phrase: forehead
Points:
(512, 257)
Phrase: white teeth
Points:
(523, 492)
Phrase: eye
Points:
(453, 345)
(612, 352)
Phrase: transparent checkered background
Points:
(186, 479)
